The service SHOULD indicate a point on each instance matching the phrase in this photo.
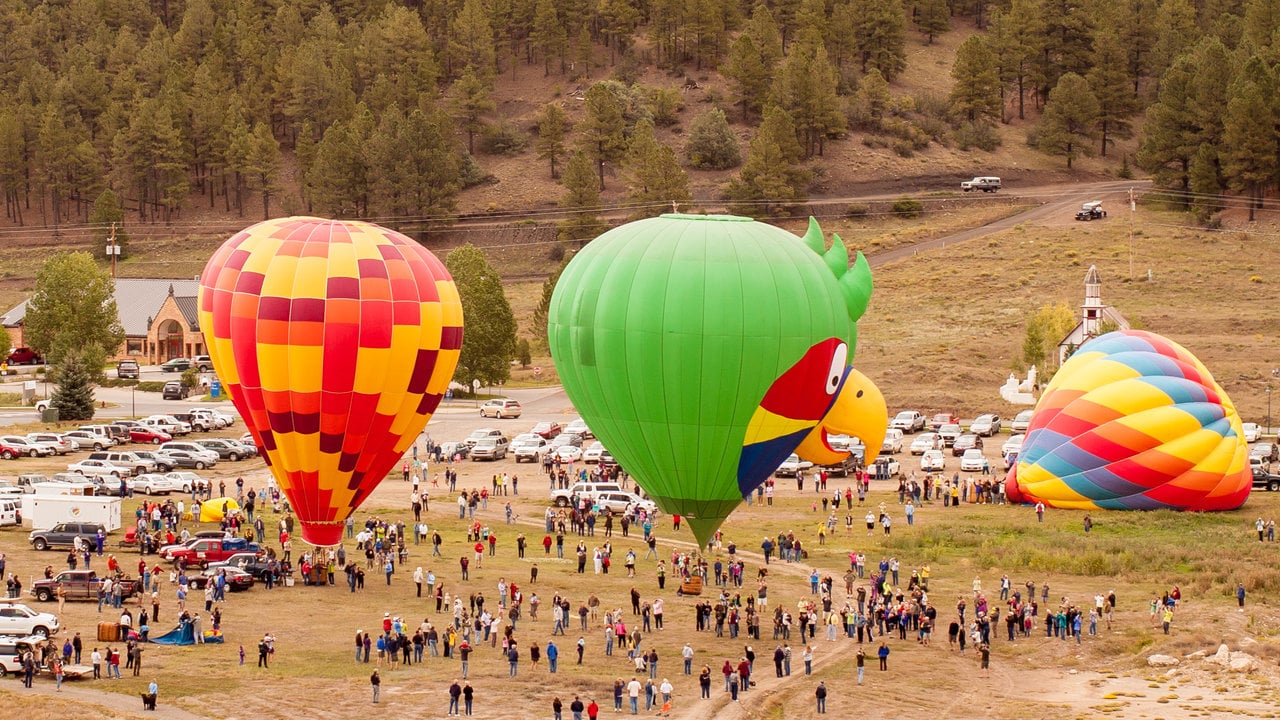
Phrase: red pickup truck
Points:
(210, 550)
(79, 585)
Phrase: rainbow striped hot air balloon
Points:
(336, 340)
(1132, 421)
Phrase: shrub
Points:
(907, 207)
(980, 135)
(665, 104)
(857, 211)
(712, 145)
(502, 139)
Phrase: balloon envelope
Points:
(336, 341)
(1133, 421)
(675, 335)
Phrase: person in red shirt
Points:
(593, 710)
(493, 544)
(744, 674)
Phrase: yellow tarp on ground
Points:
(211, 510)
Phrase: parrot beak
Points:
(858, 411)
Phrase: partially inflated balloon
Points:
(336, 340)
(702, 349)
(1133, 421)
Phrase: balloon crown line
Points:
(854, 281)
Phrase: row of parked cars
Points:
(544, 439)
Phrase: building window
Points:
(134, 346)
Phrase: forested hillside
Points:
(148, 109)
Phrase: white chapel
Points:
(1094, 315)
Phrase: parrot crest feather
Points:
(854, 281)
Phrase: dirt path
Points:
(106, 704)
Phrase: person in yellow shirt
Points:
(1168, 618)
(822, 533)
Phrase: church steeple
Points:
(1091, 310)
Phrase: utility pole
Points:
(113, 250)
(1133, 210)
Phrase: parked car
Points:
(528, 447)
(579, 427)
(60, 445)
(985, 184)
(1091, 210)
(24, 356)
(237, 579)
(792, 466)
(175, 390)
(480, 434)
(30, 448)
(255, 563)
(152, 484)
(1266, 451)
(86, 439)
(892, 442)
(16, 619)
(225, 418)
(162, 464)
(563, 497)
(972, 461)
(1012, 445)
(547, 430)
(949, 433)
(502, 408)
(908, 421)
(133, 461)
(925, 442)
(167, 424)
(885, 468)
(144, 434)
(1252, 432)
(215, 421)
(966, 442)
(593, 452)
(203, 363)
(933, 461)
(128, 370)
(187, 481)
(1021, 421)
(228, 449)
(1265, 480)
(940, 419)
(490, 448)
(565, 438)
(198, 422)
(986, 425)
(621, 502)
(568, 453)
(100, 468)
(176, 365)
(63, 535)
(10, 452)
(185, 459)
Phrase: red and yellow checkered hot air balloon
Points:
(336, 340)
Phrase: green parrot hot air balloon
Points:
(703, 349)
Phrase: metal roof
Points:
(137, 300)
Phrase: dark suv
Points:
(64, 535)
(175, 390)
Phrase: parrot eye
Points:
(836, 374)
(859, 393)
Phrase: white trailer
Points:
(44, 511)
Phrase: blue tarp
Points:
(183, 635)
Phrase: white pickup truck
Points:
(985, 184)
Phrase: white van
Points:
(10, 510)
(892, 442)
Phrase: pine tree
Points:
(712, 145)
(771, 179)
(471, 101)
(491, 327)
(602, 128)
(549, 36)
(1175, 30)
(1138, 37)
(73, 397)
(262, 165)
(880, 31)
(1070, 118)
(749, 75)
(544, 304)
(656, 182)
(582, 196)
(1249, 161)
(471, 41)
(933, 17)
(553, 125)
(1169, 139)
(1110, 85)
(806, 88)
(975, 92)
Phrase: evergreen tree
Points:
(1169, 141)
(975, 89)
(1070, 118)
(602, 128)
(712, 145)
(880, 32)
(338, 182)
(1020, 44)
(806, 88)
(419, 166)
(932, 18)
(553, 125)
(471, 102)
(1065, 31)
(261, 167)
(748, 74)
(490, 341)
(1250, 132)
(772, 178)
(1262, 26)
(73, 397)
(1206, 181)
(471, 42)
(582, 196)
(656, 182)
(1175, 30)
(1110, 85)
(549, 36)
(1138, 36)
(544, 303)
